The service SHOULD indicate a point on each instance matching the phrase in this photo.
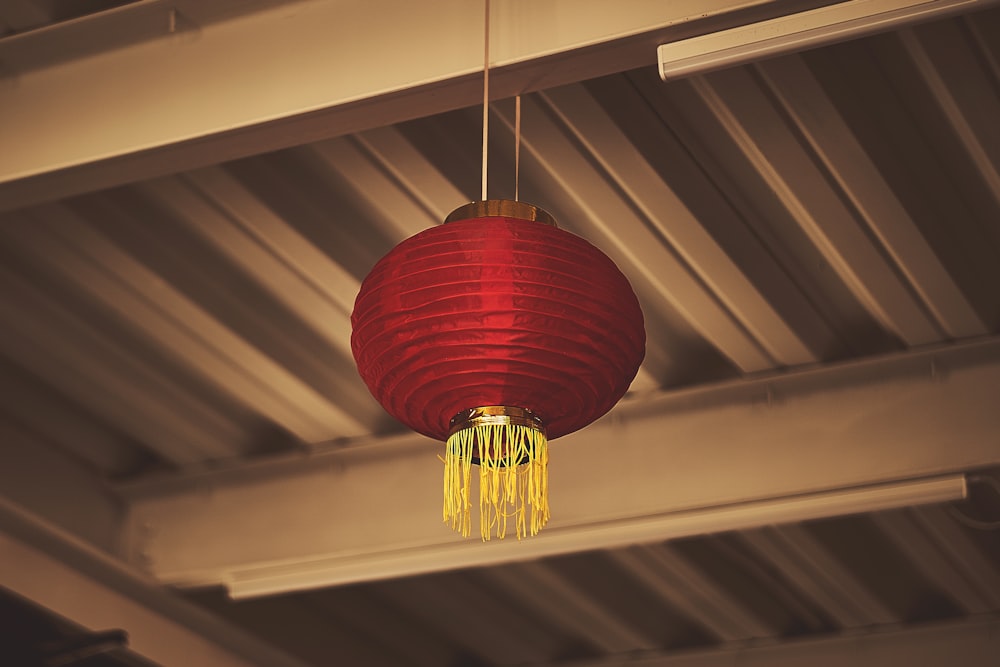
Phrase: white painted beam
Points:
(934, 560)
(624, 164)
(974, 642)
(570, 609)
(962, 551)
(834, 144)
(76, 581)
(786, 448)
(723, 205)
(681, 584)
(192, 335)
(819, 576)
(595, 533)
(469, 617)
(971, 124)
(36, 475)
(396, 210)
(660, 276)
(54, 418)
(292, 73)
(416, 175)
(329, 280)
(758, 130)
(36, 333)
(217, 219)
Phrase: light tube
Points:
(799, 31)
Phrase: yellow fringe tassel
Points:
(506, 491)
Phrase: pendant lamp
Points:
(495, 333)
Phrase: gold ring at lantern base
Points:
(501, 208)
(495, 414)
(510, 449)
(499, 453)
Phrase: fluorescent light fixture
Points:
(321, 572)
(803, 30)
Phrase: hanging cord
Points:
(517, 146)
(486, 90)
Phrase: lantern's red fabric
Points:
(497, 311)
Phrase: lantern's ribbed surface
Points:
(497, 311)
(497, 332)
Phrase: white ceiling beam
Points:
(189, 333)
(56, 419)
(667, 574)
(977, 30)
(431, 607)
(223, 355)
(971, 643)
(794, 446)
(934, 560)
(539, 586)
(366, 613)
(841, 152)
(331, 281)
(755, 126)
(609, 220)
(573, 536)
(731, 213)
(819, 576)
(59, 488)
(971, 117)
(294, 73)
(217, 220)
(396, 210)
(663, 208)
(122, 391)
(948, 534)
(416, 174)
(78, 582)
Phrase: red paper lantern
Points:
(497, 332)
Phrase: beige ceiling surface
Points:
(806, 210)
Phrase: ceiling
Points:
(32, 636)
(816, 211)
(721, 595)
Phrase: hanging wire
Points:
(486, 90)
(486, 113)
(517, 146)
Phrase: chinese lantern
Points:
(495, 333)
